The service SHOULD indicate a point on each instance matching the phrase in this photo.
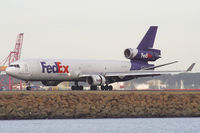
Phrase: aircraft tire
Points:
(103, 88)
(80, 87)
(106, 87)
(93, 87)
(77, 88)
(110, 87)
(28, 88)
(73, 88)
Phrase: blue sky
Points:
(101, 29)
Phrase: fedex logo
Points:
(146, 56)
(57, 68)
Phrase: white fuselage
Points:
(64, 70)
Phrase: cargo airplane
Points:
(96, 73)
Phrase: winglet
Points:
(191, 67)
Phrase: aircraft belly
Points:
(57, 77)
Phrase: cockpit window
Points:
(15, 65)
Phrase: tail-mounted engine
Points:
(96, 80)
(137, 54)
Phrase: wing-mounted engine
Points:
(96, 80)
(143, 55)
(51, 83)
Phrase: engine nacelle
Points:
(130, 53)
(50, 83)
(137, 54)
(96, 80)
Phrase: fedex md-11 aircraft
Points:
(96, 73)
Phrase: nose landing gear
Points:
(28, 86)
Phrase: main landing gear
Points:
(92, 87)
(77, 87)
(106, 87)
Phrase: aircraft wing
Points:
(136, 73)
(139, 73)
(143, 73)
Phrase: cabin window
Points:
(15, 65)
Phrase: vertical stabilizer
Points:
(148, 40)
(144, 52)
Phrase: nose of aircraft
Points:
(10, 71)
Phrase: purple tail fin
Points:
(145, 51)
(148, 40)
